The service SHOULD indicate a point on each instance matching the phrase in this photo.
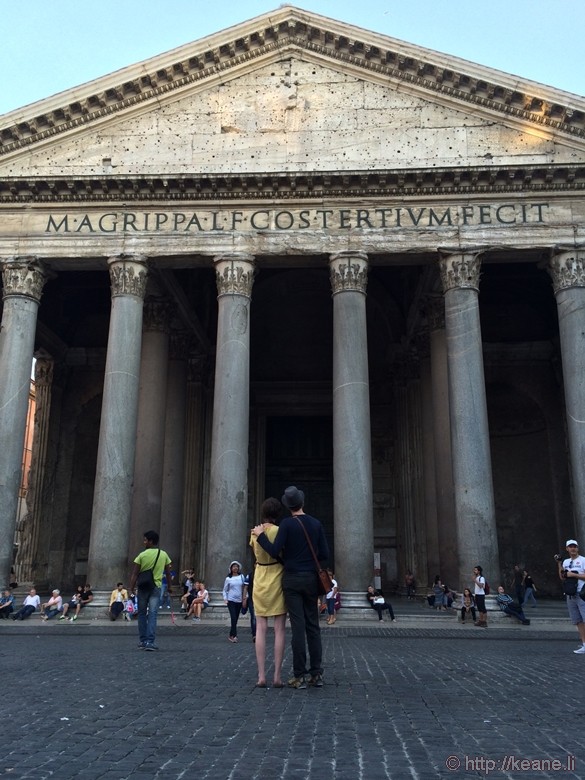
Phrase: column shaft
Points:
(352, 455)
(171, 521)
(23, 280)
(228, 493)
(110, 525)
(150, 428)
(567, 268)
(473, 487)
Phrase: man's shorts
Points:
(576, 607)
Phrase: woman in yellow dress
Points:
(267, 595)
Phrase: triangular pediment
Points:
(293, 92)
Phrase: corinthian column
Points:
(112, 498)
(23, 279)
(352, 452)
(475, 516)
(228, 488)
(567, 269)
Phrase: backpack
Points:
(486, 588)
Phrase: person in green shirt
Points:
(156, 560)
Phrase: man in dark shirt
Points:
(300, 584)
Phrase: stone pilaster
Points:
(352, 452)
(228, 485)
(28, 536)
(150, 430)
(108, 561)
(567, 269)
(23, 279)
(470, 445)
(171, 521)
(441, 424)
(197, 453)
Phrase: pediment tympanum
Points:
(292, 91)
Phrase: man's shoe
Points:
(580, 651)
(316, 680)
(297, 682)
(196, 620)
(148, 646)
(74, 618)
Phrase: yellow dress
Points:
(267, 591)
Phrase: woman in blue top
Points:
(235, 595)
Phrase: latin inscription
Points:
(262, 220)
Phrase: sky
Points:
(47, 46)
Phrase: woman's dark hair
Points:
(271, 509)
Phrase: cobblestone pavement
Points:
(81, 701)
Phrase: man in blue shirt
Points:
(300, 584)
(6, 603)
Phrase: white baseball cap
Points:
(569, 542)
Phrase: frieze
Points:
(23, 276)
(567, 269)
(281, 220)
(303, 33)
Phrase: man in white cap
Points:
(572, 575)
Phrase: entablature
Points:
(450, 181)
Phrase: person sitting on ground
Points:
(188, 597)
(53, 606)
(82, 600)
(377, 601)
(31, 603)
(467, 605)
(118, 598)
(72, 603)
(199, 603)
(6, 604)
(508, 607)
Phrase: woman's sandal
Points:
(261, 685)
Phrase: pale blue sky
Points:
(47, 46)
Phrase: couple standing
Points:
(286, 579)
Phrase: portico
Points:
(397, 331)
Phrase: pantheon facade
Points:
(295, 252)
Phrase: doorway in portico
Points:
(299, 451)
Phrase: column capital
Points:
(128, 275)
(157, 314)
(567, 268)
(234, 274)
(348, 271)
(460, 270)
(23, 276)
(434, 307)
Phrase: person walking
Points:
(235, 595)
(268, 595)
(529, 590)
(151, 559)
(300, 583)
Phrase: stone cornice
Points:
(413, 182)
(323, 39)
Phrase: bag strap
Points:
(310, 545)
(155, 560)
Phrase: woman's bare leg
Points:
(279, 640)
(261, 624)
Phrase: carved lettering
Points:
(239, 221)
